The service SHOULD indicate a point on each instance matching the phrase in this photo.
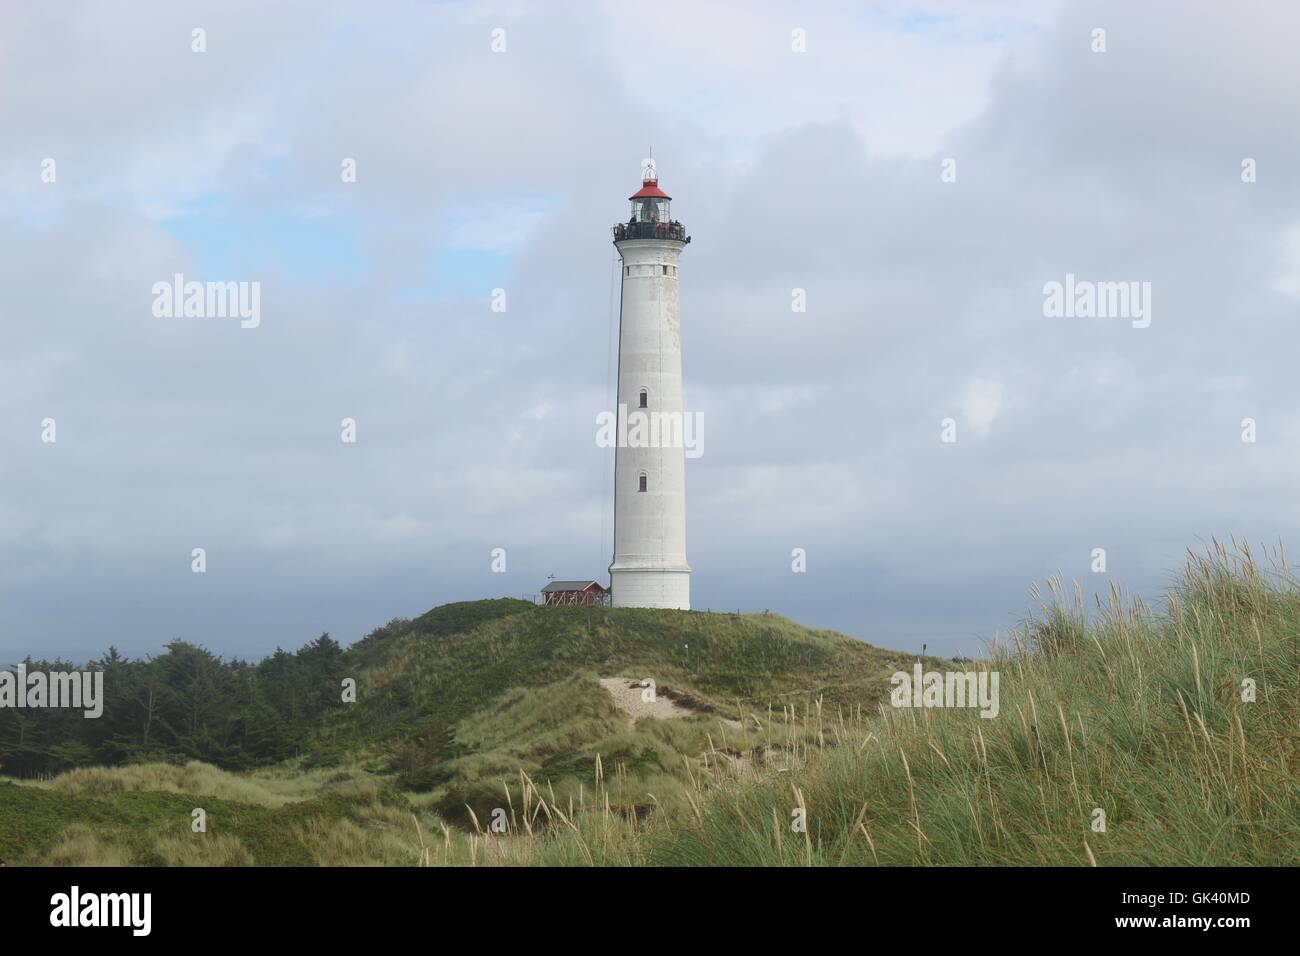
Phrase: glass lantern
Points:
(650, 209)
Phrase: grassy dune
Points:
(452, 708)
(453, 713)
(1137, 714)
(139, 815)
(1134, 712)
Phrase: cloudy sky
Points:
(805, 146)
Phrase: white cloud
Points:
(1288, 283)
(981, 404)
(476, 429)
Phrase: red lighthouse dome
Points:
(651, 214)
(650, 188)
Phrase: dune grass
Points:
(271, 788)
(111, 817)
(1125, 736)
(1134, 715)
(453, 714)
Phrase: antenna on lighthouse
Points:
(648, 173)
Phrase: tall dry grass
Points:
(1123, 739)
(1141, 714)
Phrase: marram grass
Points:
(1136, 714)
(1124, 736)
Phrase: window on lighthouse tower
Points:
(641, 482)
(650, 209)
(644, 400)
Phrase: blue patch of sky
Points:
(227, 244)
(471, 252)
(479, 237)
(458, 273)
(40, 216)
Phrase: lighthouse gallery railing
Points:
(650, 230)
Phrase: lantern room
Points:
(651, 214)
(650, 203)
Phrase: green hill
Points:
(1125, 737)
(501, 733)
(450, 706)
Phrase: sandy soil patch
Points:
(627, 697)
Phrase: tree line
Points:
(186, 703)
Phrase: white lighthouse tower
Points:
(649, 567)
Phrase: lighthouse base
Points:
(637, 587)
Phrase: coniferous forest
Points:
(184, 703)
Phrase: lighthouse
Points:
(649, 567)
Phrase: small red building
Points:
(575, 592)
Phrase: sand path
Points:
(627, 697)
